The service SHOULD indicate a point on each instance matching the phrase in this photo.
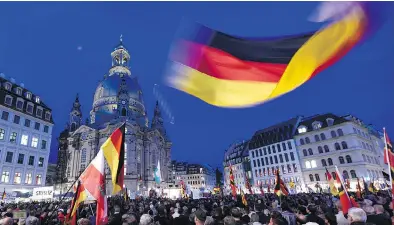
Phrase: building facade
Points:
(118, 99)
(51, 174)
(25, 137)
(273, 148)
(194, 176)
(325, 141)
(237, 156)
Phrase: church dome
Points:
(119, 93)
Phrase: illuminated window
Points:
(5, 177)
(301, 129)
(37, 99)
(38, 179)
(24, 139)
(17, 178)
(13, 137)
(34, 142)
(28, 179)
(313, 164)
(308, 164)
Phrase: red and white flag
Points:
(93, 179)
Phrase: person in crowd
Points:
(357, 216)
(379, 217)
(330, 218)
(116, 219)
(199, 217)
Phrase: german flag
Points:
(79, 197)
(280, 187)
(230, 71)
(114, 154)
(232, 183)
(343, 196)
(331, 182)
(4, 195)
(389, 159)
(244, 201)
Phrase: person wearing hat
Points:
(200, 217)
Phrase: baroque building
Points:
(117, 99)
(195, 176)
(25, 137)
(328, 140)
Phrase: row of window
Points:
(29, 107)
(17, 119)
(365, 135)
(368, 146)
(334, 175)
(193, 182)
(21, 159)
(277, 147)
(272, 171)
(326, 148)
(18, 90)
(370, 159)
(24, 139)
(322, 137)
(272, 180)
(5, 178)
(272, 159)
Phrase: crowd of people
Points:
(268, 209)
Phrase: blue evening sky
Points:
(39, 41)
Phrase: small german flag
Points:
(232, 183)
(280, 187)
(243, 198)
(114, 154)
(4, 195)
(79, 197)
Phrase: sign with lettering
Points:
(19, 214)
(43, 192)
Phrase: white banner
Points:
(43, 192)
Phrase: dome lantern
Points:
(120, 59)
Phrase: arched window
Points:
(304, 152)
(317, 138)
(340, 132)
(307, 140)
(365, 159)
(320, 149)
(302, 141)
(334, 175)
(311, 177)
(317, 177)
(308, 164)
(313, 164)
(310, 151)
(330, 162)
(341, 160)
(348, 159)
(344, 145)
(333, 134)
(337, 146)
(326, 149)
(353, 174)
(323, 162)
(345, 174)
(124, 112)
(322, 136)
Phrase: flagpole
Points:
(340, 178)
(387, 157)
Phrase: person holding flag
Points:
(280, 187)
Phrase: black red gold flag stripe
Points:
(232, 183)
(79, 197)
(280, 187)
(114, 153)
(230, 71)
(343, 196)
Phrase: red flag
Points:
(232, 183)
(358, 193)
(261, 189)
(280, 187)
(247, 184)
(268, 189)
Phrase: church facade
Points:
(118, 99)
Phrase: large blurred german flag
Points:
(114, 153)
(229, 71)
